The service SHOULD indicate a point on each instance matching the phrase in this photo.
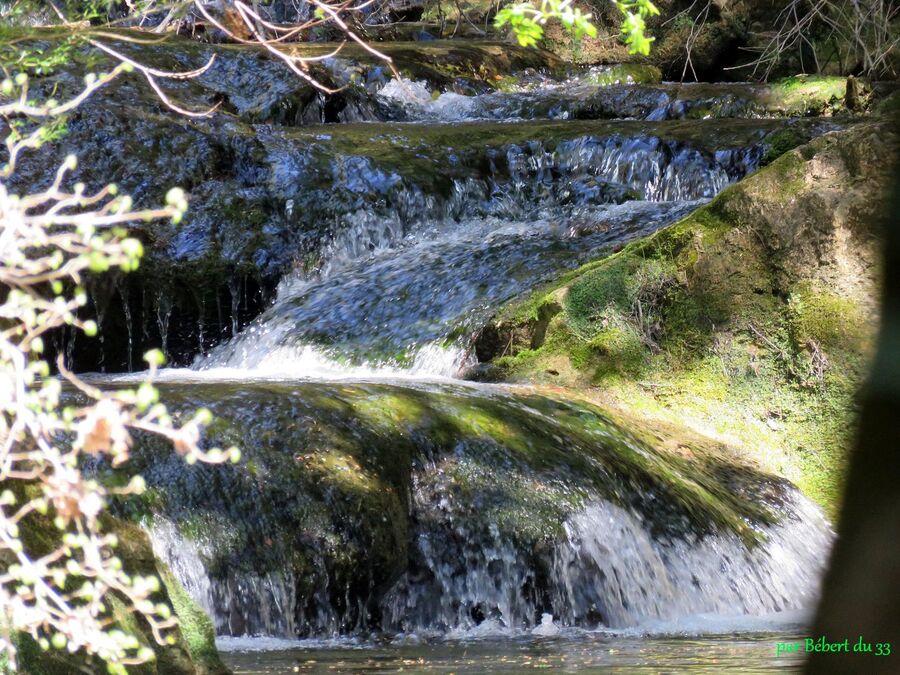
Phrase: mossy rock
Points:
(325, 491)
(768, 310)
(809, 94)
(835, 322)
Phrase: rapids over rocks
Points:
(378, 493)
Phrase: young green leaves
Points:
(634, 24)
(527, 21)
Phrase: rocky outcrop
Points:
(203, 280)
(268, 193)
(379, 507)
(766, 293)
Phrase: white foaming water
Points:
(417, 100)
(406, 92)
(788, 621)
(700, 625)
(546, 628)
(609, 549)
(606, 566)
(581, 96)
(283, 362)
(609, 569)
(184, 558)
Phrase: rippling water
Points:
(581, 653)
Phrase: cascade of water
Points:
(234, 287)
(606, 570)
(240, 603)
(101, 296)
(612, 565)
(398, 271)
(414, 308)
(184, 557)
(447, 508)
(163, 316)
(405, 274)
(129, 322)
(580, 97)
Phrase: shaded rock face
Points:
(377, 507)
(203, 280)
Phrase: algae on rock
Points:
(342, 482)
(750, 320)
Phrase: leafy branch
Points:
(528, 20)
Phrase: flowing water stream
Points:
(388, 515)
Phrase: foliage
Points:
(634, 25)
(527, 21)
(64, 598)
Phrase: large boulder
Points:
(761, 302)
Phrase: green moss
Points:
(196, 627)
(620, 349)
(786, 175)
(596, 291)
(730, 349)
(833, 321)
(521, 462)
(809, 94)
(780, 142)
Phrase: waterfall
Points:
(403, 269)
(606, 571)
(448, 509)
(378, 495)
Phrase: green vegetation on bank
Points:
(750, 321)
